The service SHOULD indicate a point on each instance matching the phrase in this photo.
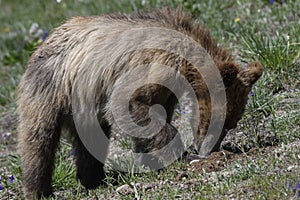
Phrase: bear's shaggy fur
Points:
(45, 91)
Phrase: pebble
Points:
(124, 190)
(181, 176)
(194, 161)
(7, 134)
(290, 168)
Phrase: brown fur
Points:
(44, 95)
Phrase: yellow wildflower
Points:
(6, 30)
(39, 41)
(237, 19)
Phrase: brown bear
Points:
(89, 56)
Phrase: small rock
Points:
(124, 190)
(149, 186)
(6, 134)
(181, 176)
(194, 161)
(192, 157)
(290, 168)
(239, 133)
(160, 183)
(138, 185)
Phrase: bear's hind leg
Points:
(39, 133)
(90, 171)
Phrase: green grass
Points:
(264, 32)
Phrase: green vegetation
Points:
(253, 30)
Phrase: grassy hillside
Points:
(260, 158)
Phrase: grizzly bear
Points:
(88, 65)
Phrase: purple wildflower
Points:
(272, 1)
(182, 112)
(1, 187)
(73, 151)
(11, 179)
(45, 35)
(251, 94)
(294, 189)
(297, 189)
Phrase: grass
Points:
(253, 30)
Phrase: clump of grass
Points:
(64, 174)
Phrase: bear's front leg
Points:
(160, 150)
(163, 145)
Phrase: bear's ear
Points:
(229, 72)
(251, 73)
